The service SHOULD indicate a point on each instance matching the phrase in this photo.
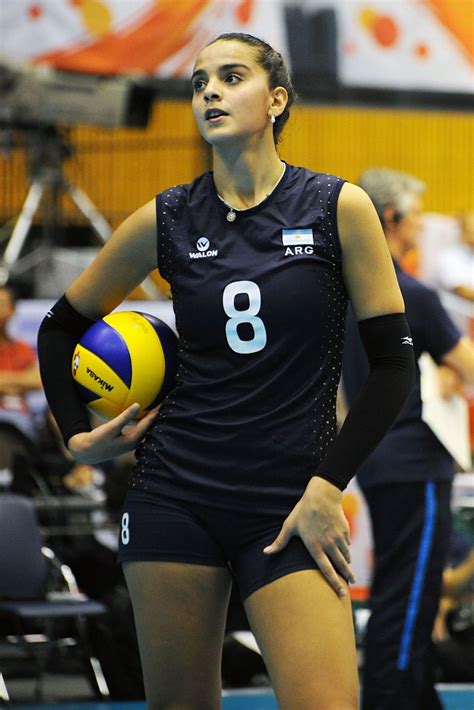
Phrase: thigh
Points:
(180, 611)
(306, 636)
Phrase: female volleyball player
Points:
(240, 474)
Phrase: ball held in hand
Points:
(123, 358)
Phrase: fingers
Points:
(343, 546)
(280, 541)
(149, 416)
(116, 425)
(326, 568)
(340, 562)
(143, 424)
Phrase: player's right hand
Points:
(112, 438)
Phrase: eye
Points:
(232, 79)
(198, 85)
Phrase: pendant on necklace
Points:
(230, 216)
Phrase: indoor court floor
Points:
(454, 697)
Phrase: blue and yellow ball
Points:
(123, 358)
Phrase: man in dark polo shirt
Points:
(407, 479)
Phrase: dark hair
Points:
(274, 65)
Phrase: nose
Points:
(211, 92)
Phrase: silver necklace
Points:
(231, 214)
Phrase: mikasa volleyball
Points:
(125, 357)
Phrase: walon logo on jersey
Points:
(297, 241)
(202, 245)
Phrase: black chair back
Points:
(23, 568)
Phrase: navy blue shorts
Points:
(166, 529)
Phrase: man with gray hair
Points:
(407, 479)
(391, 191)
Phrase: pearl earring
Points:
(272, 118)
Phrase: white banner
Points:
(407, 44)
(402, 44)
(130, 36)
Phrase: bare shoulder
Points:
(352, 197)
(356, 215)
(368, 269)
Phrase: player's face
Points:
(231, 96)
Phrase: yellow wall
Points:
(437, 147)
(121, 169)
(131, 165)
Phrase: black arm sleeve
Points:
(57, 337)
(388, 344)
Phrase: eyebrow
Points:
(222, 69)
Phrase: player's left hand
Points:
(318, 519)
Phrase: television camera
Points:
(38, 94)
(38, 106)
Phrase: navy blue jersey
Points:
(409, 451)
(260, 308)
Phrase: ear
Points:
(279, 99)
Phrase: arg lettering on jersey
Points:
(297, 241)
(298, 251)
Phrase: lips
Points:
(214, 113)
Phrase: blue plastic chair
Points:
(28, 572)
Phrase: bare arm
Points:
(121, 265)
(461, 360)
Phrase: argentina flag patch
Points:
(297, 237)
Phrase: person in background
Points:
(407, 479)
(19, 374)
(456, 262)
(453, 631)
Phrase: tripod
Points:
(47, 148)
